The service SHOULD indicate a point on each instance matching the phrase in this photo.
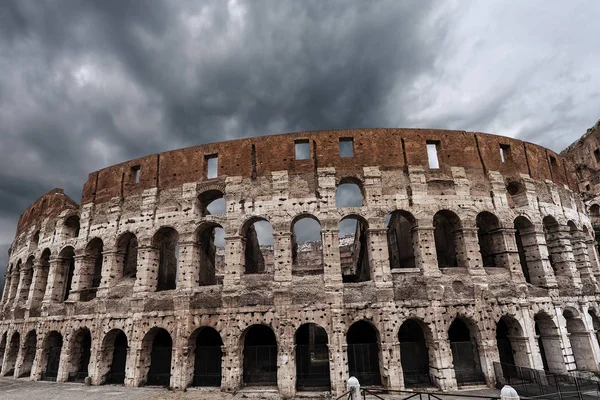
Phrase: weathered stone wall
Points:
(545, 267)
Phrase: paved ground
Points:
(20, 389)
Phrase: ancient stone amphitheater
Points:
(433, 255)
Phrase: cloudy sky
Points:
(87, 84)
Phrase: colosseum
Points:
(404, 257)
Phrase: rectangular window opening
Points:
(504, 152)
(302, 148)
(346, 147)
(597, 155)
(432, 154)
(136, 171)
(212, 166)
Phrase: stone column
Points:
(234, 266)
(179, 364)
(582, 259)
(536, 253)
(135, 375)
(503, 240)
(282, 248)
(593, 255)
(147, 271)
(26, 276)
(188, 276)
(332, 266)
(38, 285)
(112, 270)
(12, 290)
(286, 366)
(338, 354)
(443, 374)
(467, 249)
(82, 277)
(559, 247)
(424, 248)
(57, 280)
(391, 374)
(379, 255)
(231, 366)
(6, 288)
(37, 367)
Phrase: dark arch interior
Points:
(487, 228)
(13, 352)
(465, 356)
(258, 247)
(207, 358)
(29, 354)
(80, 355)
(505, 349)
(160, 359)
(210, 238)
(128, 249)
(307, 247)
(116, 374)
(400, 240)
(445, 225)
(363, 353)
(260, 356)
(354, 250)
(522, 226)
(312, 358)
(414, 355)
(166, 242)
(68, 263)
(53, 348)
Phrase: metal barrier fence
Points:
(372, 393)
(548, 385)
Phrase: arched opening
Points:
(363, 353)
(52, 348)
(28, 349)
(260, 356)
(207, 351)
(159, 373)
(414, 354)
(166, 241)
(512, 347)
(490, 239)
(551, 230)
(7, 284)
(401, 240)
(13, 352)
(113, 357)
(3, 339)
(548, 338)
(465, 356)
(71, 227)
(505, 350)
(211, 202)
(581, 343)
(349, 194)
(66, 270)
(592, 313)
(27, 273)
(307, 247)
(312, 358)
(40, 288)
(128, 255)
(445, 228)
(35, 241)
(79, 359)
(14, 281)
(211, 252)
(516, 195)
(354, 250)
(524, 231)
(93, 264)
(258, 247)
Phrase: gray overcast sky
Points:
(87, 84)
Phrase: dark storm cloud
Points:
(87, 84)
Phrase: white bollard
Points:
(354, 386)
(508, 393)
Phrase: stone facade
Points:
(481, 252)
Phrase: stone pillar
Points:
(424, 247)
(234, 266)
(467, 251)
(559, 247)
(188, 276)
(26, 276)
(332, 266)
(179, 363)
(488, 353)
(37, 367)
(82, 277)
(503, 240)
(282, 249)
(593, 256)
(582, 259)
(135, 375)
(392, 373)
(65, 355)
(38, 285)
(57, 280)
(536, 253)
(147, 271)
(12, 290)
(338, 354)
(112, 270)
(379, 255)
(286, 364)
(6, 287)
(443, 376)
(231, 366)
